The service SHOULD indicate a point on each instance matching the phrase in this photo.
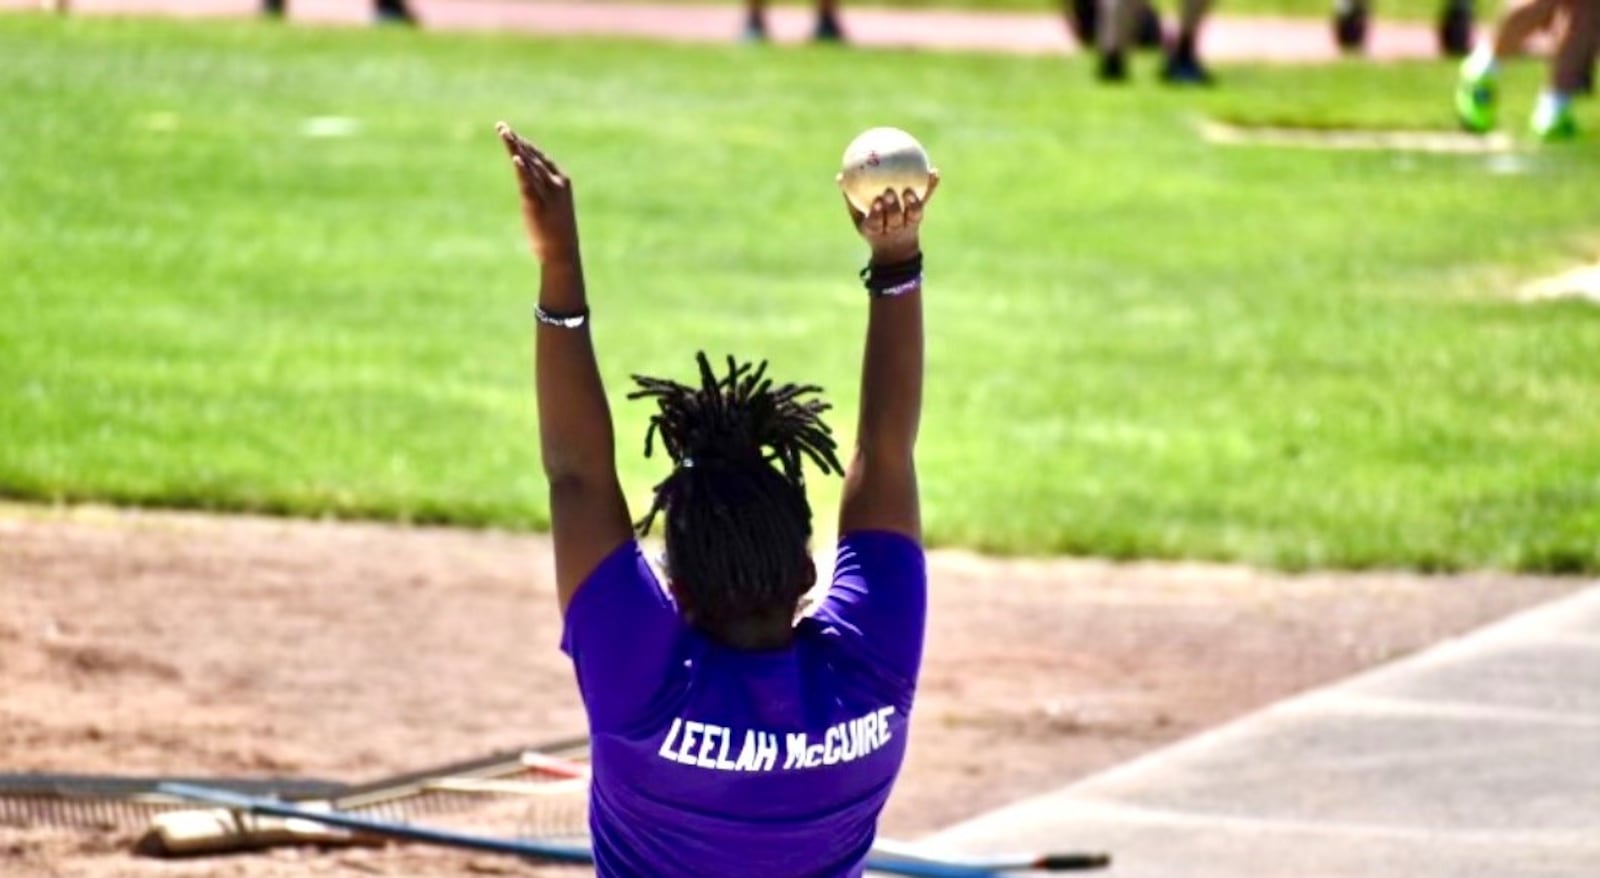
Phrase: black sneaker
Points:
(828, 30)
(1113, 67)
(1185, 70)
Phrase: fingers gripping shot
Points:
(727, 738)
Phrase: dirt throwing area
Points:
(149, 643)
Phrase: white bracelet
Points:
(900, 289)
(562, 321)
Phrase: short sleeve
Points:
(878, 603)
(624, 634)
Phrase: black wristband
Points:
(894, 278)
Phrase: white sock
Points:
(1481, 62)
(1551, 105)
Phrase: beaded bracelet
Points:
(894, 279)
(561, 321)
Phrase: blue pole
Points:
(552, 851)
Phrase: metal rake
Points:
(175, 826)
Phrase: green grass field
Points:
(1140, 344)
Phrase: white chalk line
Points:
(1580, 283)
(1357, 139)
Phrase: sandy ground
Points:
(138, 643)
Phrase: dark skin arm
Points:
(588, 514)
(880, 483)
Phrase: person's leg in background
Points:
(1083, 19)
(1477, 87)
(383, 11)
(828, 27)
(392, 12)
(827, 30)
(1116, 23)
(755, 20)
(1183, 61)
(1455, 28)
(1350, 20)
(1589, 45)
(1570, 66)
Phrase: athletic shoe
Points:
(1555, 126)
(1475, 102)
(1185, 70)
(828, 30)
(1113, 67)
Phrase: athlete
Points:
(383, 11)
(827, 29)
(1121, 23)
(728, 739)
(1570, 68)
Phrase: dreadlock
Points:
(738, 523)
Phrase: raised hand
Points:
(891, 226)
(547, 206)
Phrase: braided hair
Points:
(738, 525)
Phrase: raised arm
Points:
(880, 483)
(588, 515)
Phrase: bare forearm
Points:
(575, 431)
(588, 514)
(880, 484)
(891, 379)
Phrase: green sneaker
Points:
(1554, 126)
(1475, 102)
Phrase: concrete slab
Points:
(1480, 756)
(1559, 677)
(1420, 773)
(1148, 844)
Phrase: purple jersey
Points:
(711, 761)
